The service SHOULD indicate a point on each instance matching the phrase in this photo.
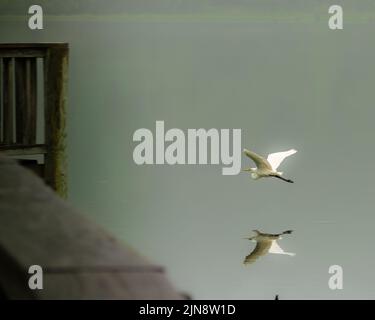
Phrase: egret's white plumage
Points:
(267, 167)
(275, 248)
(275, 159)
(266, 243)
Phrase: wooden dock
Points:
(79, 259)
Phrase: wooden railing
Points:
(33, 85)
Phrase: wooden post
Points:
(55, 95)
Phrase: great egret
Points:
(267, 168)
(266, 243)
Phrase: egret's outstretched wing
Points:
(275, 248)
(261, 249)
(259, 161)
(275, 159)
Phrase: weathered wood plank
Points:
(19, 150)
(106, 269)
(130, 286)
(80, 259)
(31, 45)
(55, 78)
(57, 233)
(22, 53)
(13, 278)
(8, 100)
(27, 50)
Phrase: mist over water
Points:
(286, 84)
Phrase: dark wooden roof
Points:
(80, 260)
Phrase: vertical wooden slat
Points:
(8, 99)
(26, 100)
(1, 101)
(20, 74)
(55, 92)
(31, 94)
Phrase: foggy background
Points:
(271, 68)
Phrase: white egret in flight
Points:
(266, 243)
(267, 167)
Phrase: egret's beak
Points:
(249, 238)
